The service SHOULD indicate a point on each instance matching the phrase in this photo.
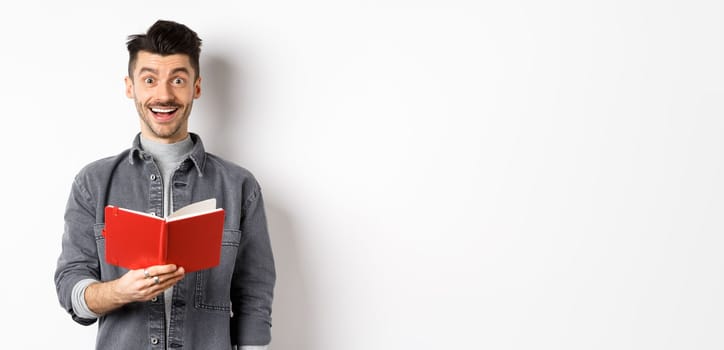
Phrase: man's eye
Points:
(148, 80)
(178, 81)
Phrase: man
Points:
(162, 307)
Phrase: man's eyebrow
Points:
(155, 71)
(146, 69)
(180, 70)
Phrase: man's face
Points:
(163, 90)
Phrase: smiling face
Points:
(163, 88)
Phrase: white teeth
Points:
(160, 110)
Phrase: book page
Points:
(195, 208)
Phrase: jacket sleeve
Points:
(78, 259)
(254, 276)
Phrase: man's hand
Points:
(135, 285)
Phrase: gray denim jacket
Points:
(211, 309)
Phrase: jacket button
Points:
(154, 341)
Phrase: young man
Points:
(162, 307)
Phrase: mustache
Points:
(163, 104)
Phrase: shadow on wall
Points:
(292, 317)
(218, 107)
(293, 321)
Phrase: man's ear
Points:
(129, 87)
(197, 87)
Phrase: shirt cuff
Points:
(78, 299)
(254, 347)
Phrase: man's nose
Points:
(163, 92)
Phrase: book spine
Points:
(163, 244)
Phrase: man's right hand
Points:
(135, 285)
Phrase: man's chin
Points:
(172, 131)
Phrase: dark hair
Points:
(165, 38)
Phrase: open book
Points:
(189, 238)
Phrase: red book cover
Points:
(189, 238)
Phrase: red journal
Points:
(189, 238)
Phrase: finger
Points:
(171, 274)
(167, 281)
(151, 282)
(162, 269)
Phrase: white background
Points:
(438, 174)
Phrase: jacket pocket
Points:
(213, 286)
